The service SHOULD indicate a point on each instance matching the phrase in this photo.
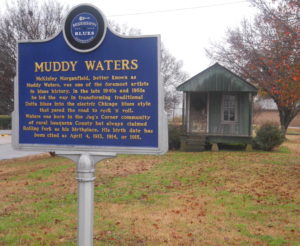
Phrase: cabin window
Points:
(229, 112)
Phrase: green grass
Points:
(224, 198)
(272, 241)
(46, 172)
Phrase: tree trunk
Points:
(286, 116)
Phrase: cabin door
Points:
(198, 113)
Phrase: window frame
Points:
(224, 95)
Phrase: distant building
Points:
(266, 110)
(266, 104)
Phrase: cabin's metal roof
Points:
(217, 78)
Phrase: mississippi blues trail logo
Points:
(84, 28)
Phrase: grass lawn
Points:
(224, 198)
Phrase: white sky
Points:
(185, 33)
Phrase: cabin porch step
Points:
(192, 143)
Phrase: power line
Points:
(179, 9)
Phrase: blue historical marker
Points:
(89, 94)
(90, 89)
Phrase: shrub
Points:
(174, 137)
(5, 122)
(268, 136)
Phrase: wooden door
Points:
(198, 113)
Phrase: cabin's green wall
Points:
(239, 128)
(245, 113)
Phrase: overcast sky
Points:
(186, 27)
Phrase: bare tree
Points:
(172, 75)
(23, 20)
(171, 69)
(124, 29)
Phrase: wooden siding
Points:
(238, 128)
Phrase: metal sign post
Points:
(86, 165)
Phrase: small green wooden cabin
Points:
(217, 108)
